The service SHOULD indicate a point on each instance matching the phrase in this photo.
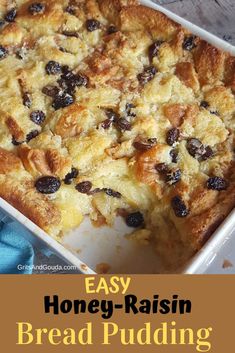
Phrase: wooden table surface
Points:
(216, 16)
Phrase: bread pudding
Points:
(109, 108)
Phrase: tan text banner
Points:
(142, 313)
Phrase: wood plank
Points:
(216, 16)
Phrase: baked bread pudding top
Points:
(110, 108)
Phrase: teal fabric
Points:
(16, 253)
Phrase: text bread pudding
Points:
(110, 108)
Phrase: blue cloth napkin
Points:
(16, 253)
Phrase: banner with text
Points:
(141, 313)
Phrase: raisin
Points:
(68, 181)
(71, 9)
(50, 91)
(70, 176)
(2, 23)
(162, 168)
(207, 154)
(84, 187)
(179, 207)
(73, 173)
(66, 70)
(189, 43)
(170, 176)
(36, 8)
(112, 193)
(112, 115)
(48, 185)
(38, 117)
(3, 52)
(15, 142)
(172, 136)
(204, 104)
(106, 124)
(95, 191)
(70, 34)
(215, 112)
(217, 183)
(174, 155)
(92, 25)
(62, 100)
(63, 50)
(195, 148)
(11, 15)
(152, 140)
(64, 85)
(145, 144)
(135, 220)
(173, 176)
(27, 100)
(31, 135)
(112, 29)
(123, 124)
(154, 49)
(79, 80)
(69, 81)
(129, 107)
(53, 68)
(147, 75)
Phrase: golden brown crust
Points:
(178, 113)
(209, 63)
(12, 35)
(145, 167)
(68, 122)
(8, 162)
(191, 114)
(186, 73)
(34, 160)
(230, 72)
(135, 18)
(50, 19)
(59, 165)
(202, 200)
(178, 41)
(208, 209)
(174, 113)
(101, 69)
(14, 129)
(44, 162)
(111, 8)
(221, 99)
(201, 227)
(33, 205)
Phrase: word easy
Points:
(112, 285)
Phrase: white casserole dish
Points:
(87, 246)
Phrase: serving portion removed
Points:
(109, 108)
